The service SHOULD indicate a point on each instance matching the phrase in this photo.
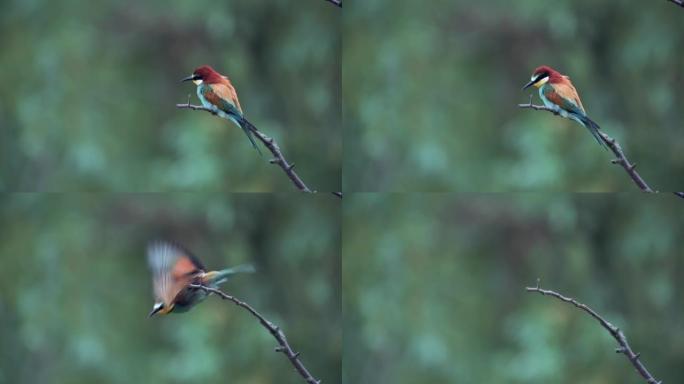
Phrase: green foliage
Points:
(434, 287)
(75, 290)
(434, 90)
(90, 93)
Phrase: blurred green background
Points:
(431, 93)
(75, 290)
(89, 93)
(433, 288)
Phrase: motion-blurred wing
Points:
(172, 269)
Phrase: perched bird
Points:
(558, 93)
(217, 93)
(174, 269)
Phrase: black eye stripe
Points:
(541, 76)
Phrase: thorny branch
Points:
(621, 158)
(270, 143)
(277, 333)
(624, 347)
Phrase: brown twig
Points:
(621, 158)
(277, 333)
(678, 2)
(269, 142)
(336, 2)
(613, 330)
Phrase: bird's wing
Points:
(223, 96)
(173, 268)
(565, 96)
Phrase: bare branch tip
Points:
(615, 332)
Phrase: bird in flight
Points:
(174, 269)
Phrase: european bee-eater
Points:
(216, 92)
(174, 269)
(558, 93)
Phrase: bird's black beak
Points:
(156, 309)
(529, 84)
(190, 78)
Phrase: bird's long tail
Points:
(214, 278)
(247, 128)
(593, 129)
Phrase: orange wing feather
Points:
(567, 91)
(225, 91)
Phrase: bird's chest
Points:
(201, 92)
(543, 95)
